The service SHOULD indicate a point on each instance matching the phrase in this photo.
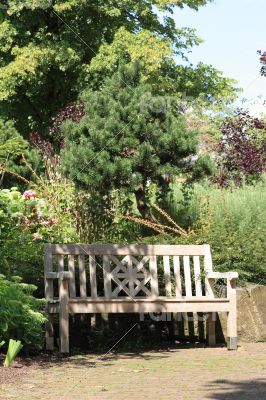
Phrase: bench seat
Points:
(127, 305)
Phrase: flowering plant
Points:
(29, 194)
(27, 210)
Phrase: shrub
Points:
(20, 313)
(29, 219)
(13, 150)
(233, 222)
(242, 149)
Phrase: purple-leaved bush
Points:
(74, 112)
(241, 152)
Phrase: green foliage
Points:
(20, 254)
(233, 222)
(202, 85)
(28, 220)
(205, 84)
(127, 140)
(11, 143)
(204, 166)
(12, 147)
(153, 51)
(46, 48)
(20, 313)
(14, 348)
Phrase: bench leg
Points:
(232, 330)
(211, 328)
(64, 317)
(49, 332)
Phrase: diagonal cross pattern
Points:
(130, 275)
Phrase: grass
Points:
(237, 204)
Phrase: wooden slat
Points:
(187, 276)
(210, 328)
(178, 285)
(82, 276)
(158, 299)
(93, 281)
(223, 275)
(116, 249)
(63, 316)
(107, 277)
(120, 287)
(58, 275)
(208, 268)
(125, 305)
(232, 317)
(49, 331)
(154, 277)
(60, 263)
(167, 276)
(196, 262)
(140, 264)
(198, 287)
(120, 265)
(71, 269)
(126, 266)
(49, 294)
(140, 285)
(130, 276)
(207, 258)
(48, 267)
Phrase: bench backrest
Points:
(134, 271)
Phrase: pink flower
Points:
(29, 194)
(53, 221)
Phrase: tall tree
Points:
(127, 140)
(160, 66)
(46, 48)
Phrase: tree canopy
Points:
(49, 49)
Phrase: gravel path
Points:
(182, 373)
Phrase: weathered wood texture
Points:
(127, 277)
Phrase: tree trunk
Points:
(142, 204)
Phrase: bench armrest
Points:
(222, 275)
(58, 275)
(231, 281)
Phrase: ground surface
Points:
(181, 373)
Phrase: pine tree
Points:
(129, 138)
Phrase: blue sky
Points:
(233, 31)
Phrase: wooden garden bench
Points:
(134, 279)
